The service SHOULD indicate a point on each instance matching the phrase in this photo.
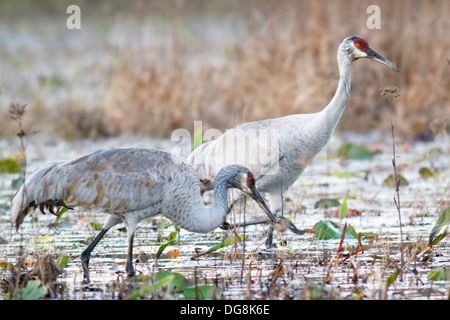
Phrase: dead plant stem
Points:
(397, 199)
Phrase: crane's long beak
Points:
(371, 54)
(260, 200)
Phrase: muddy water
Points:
(302, 268)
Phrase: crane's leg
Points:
(269, 240)
(86, 254)
(275, 201)
(131, 230)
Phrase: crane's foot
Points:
(226, 226)
(269, 240)
(283, 224)
(130, 270)
(85, 265)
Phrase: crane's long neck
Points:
(328, 118)
(193, 215)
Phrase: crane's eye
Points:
(361, 44)
(250, 179)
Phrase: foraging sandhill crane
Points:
(131, 185)
(279, 162)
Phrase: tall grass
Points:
(228, 62)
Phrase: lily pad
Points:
(344, 174)
(390, 181)
(353, 151)
(43, 239)
(326, 203)
(156, 285)
(177, 283)
(425, 172)
(33, 291)
(10, 165)
(203, 292)
(328, 230)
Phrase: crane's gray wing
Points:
(117, 180)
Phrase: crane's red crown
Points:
(361, 44)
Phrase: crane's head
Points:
(241, 178)
(356, 47)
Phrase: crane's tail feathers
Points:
(33, 194)
(19, 209)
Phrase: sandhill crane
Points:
(131, 185)
(278, 150)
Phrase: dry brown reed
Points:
(281, 60)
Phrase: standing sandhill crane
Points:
(296, 139)
(131, 185)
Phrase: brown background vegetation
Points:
(226, 62)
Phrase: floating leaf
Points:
(163, 279)
(32, 291)
(425, 172)
(203, 292)
(439, 274)
(344, 174)
(390, 181)
(43, 239)
(441, 228)
(326, 203)
(352, 151)
(327, 230)
(178, 282)
(164, 282)
(175, 253)
(10, 165)
(350, 213)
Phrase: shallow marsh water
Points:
(302, 268)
